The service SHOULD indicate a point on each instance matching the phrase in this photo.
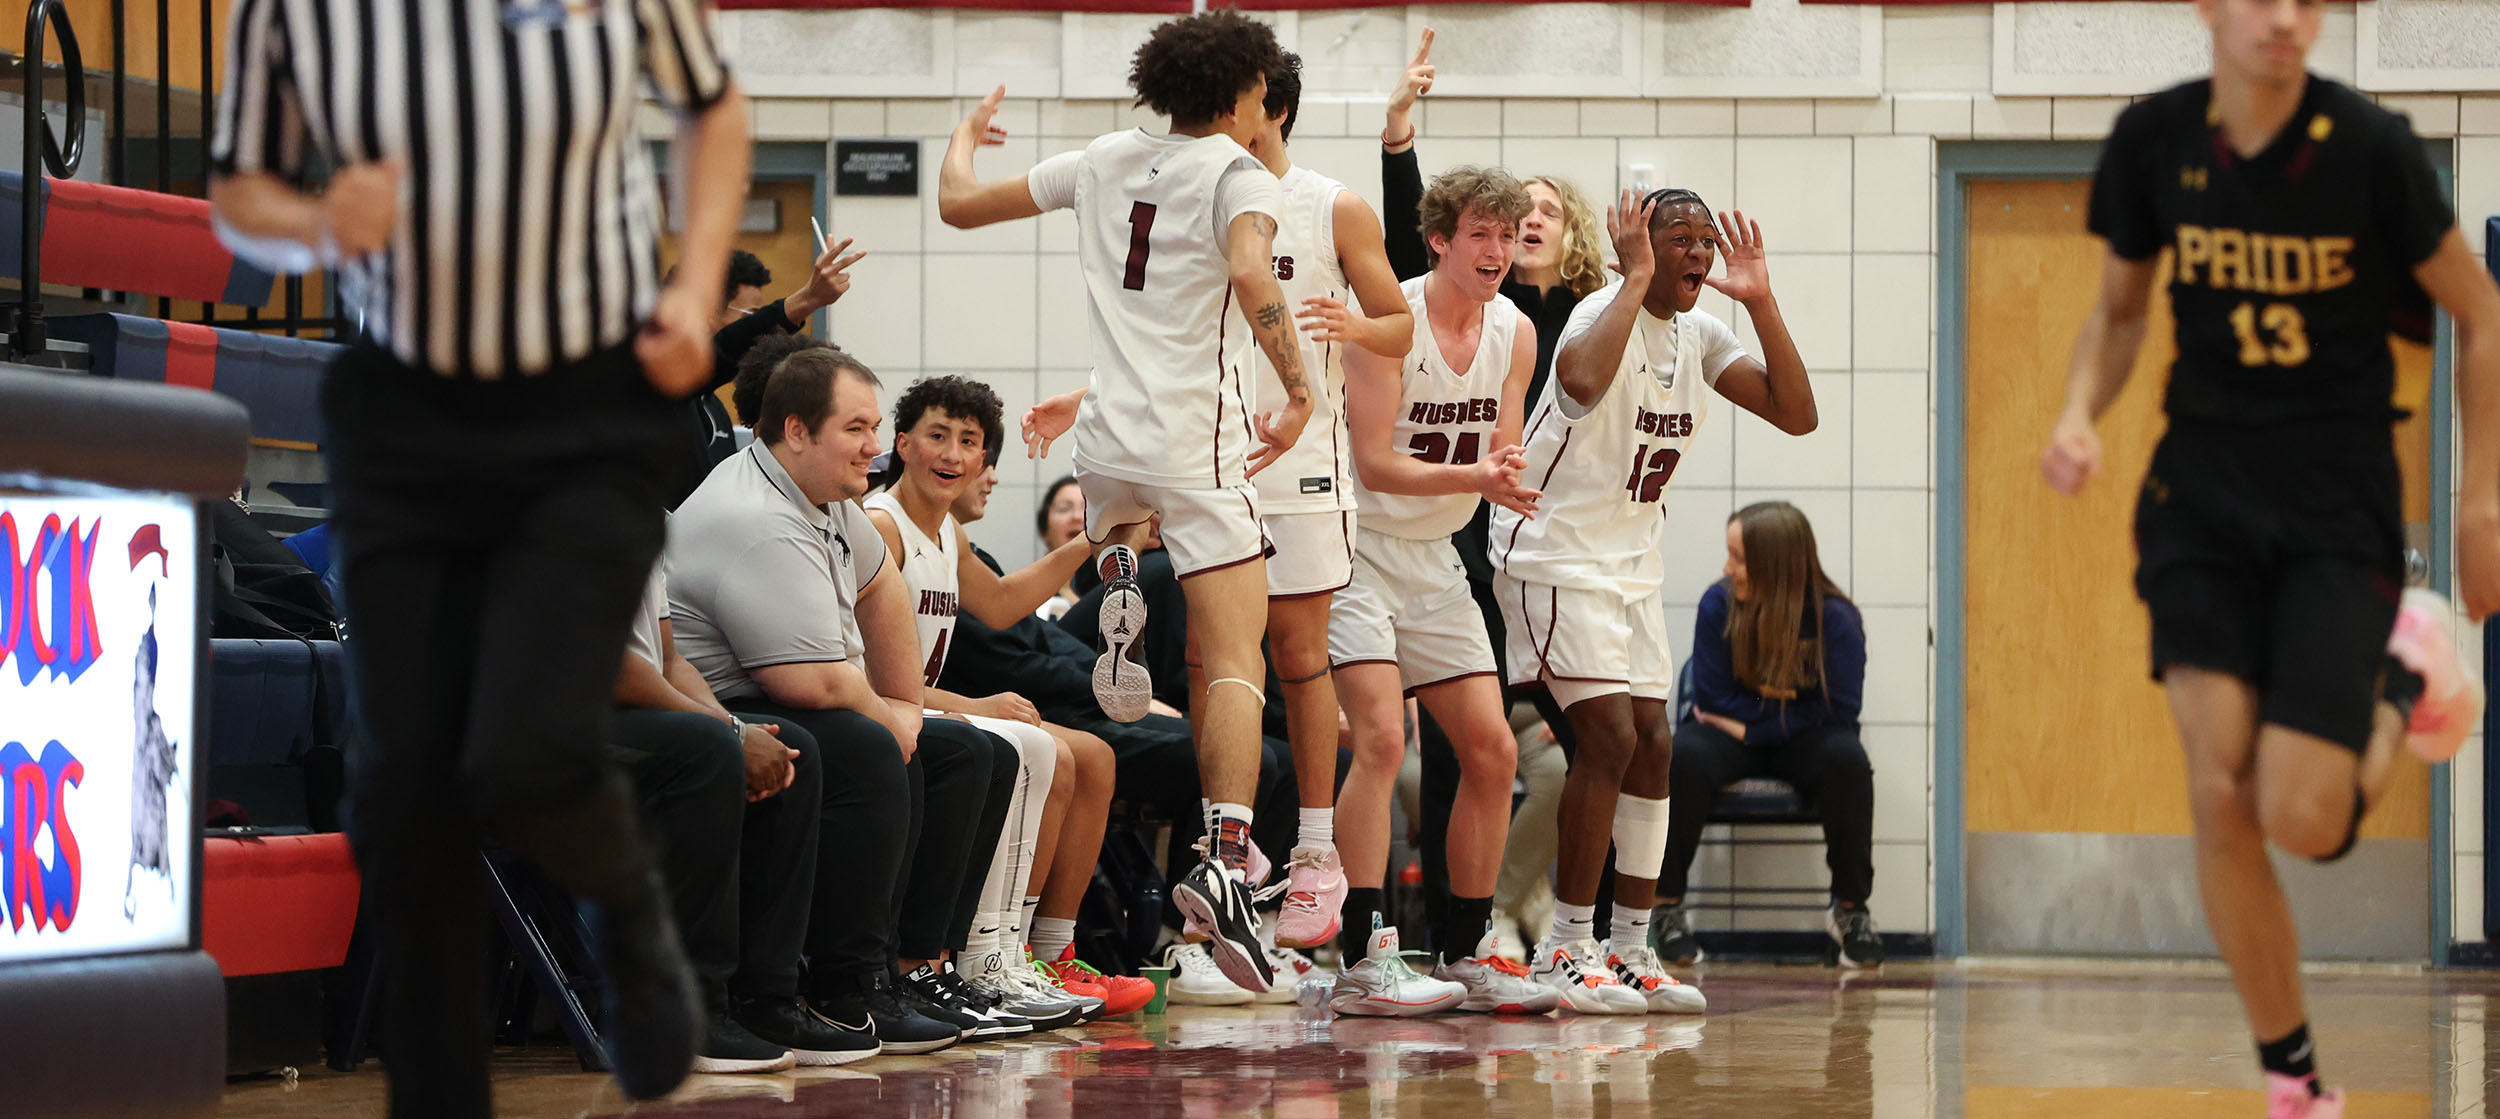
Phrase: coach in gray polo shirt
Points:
(782, 595)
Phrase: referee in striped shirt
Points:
(502, 439)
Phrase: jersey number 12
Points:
(1660, 465)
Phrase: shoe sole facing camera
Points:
(1237, 951)
(1121, 686)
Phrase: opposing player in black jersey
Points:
(2303, 226)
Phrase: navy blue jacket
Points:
(1769, 721)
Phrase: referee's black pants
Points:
(740, 874)
(494, 539)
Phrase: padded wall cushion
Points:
(125, 239)
(277, 903)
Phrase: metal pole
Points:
(164, 118)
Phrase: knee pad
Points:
(2352, 831)
(1640, 835)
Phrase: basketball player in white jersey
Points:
(943, 427)
(1433, 433)
(1578, 583)
(1171, 230)
(1328, 243)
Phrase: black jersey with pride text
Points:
(2287, 270)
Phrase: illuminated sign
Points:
(99, 628)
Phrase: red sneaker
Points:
(1120, 994)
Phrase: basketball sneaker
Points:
(2289, 1097)
(1216, 898)
(1639, 971)
(731, 1047)
(1121, 685)
(1495, 985)
(810, 1038)
(1120, 994)
(1577, 969)
(1854, 943)
(1315, 889)
(1671, 932)
(1383, 985)
(1291, 969)
(2451, 704)
(1196, 981)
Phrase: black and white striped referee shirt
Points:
(529, 218)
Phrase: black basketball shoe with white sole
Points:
(1216, 898)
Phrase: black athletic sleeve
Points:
(732, 342)
(2412, 215)
(1401, 198)
(2122, 186)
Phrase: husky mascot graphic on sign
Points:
(151, 773)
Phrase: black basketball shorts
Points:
(2276, 555)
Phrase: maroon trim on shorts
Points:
(1309, 594)
(1448, 680)
(1363, 660)
(1195, 572)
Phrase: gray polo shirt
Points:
(759, 577)
(644, 640)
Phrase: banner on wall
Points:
(99, 642)
(1150, 7)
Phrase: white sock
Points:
(1319, 827)
(1024, 921)
(1574, 922)
(1052, 936)
(983, 944)
(1631, 928)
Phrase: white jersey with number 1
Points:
(1315, 475)
(1605, 469)
(1444, 416)
(1153, 216)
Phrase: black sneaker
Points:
(921, 990)
(1671, 933)
(1217, 899)
(871, 1002)
(730, 1047)
(654, 1020)
(1854, 943)
(815, 1041)
(998, 1020)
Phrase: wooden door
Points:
(2065, 732)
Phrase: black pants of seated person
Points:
(494, 537)
(741, 874)
(1827, 767)
(950, 789)
(864, 815)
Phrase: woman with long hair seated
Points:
(1777, 673)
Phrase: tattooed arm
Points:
(1251, 251)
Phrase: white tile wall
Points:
(1899, 755)
(1767, 456)
(1844, 189)
(1798, 189)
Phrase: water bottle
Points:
(1313, 996)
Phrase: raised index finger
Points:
(1423, 53)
